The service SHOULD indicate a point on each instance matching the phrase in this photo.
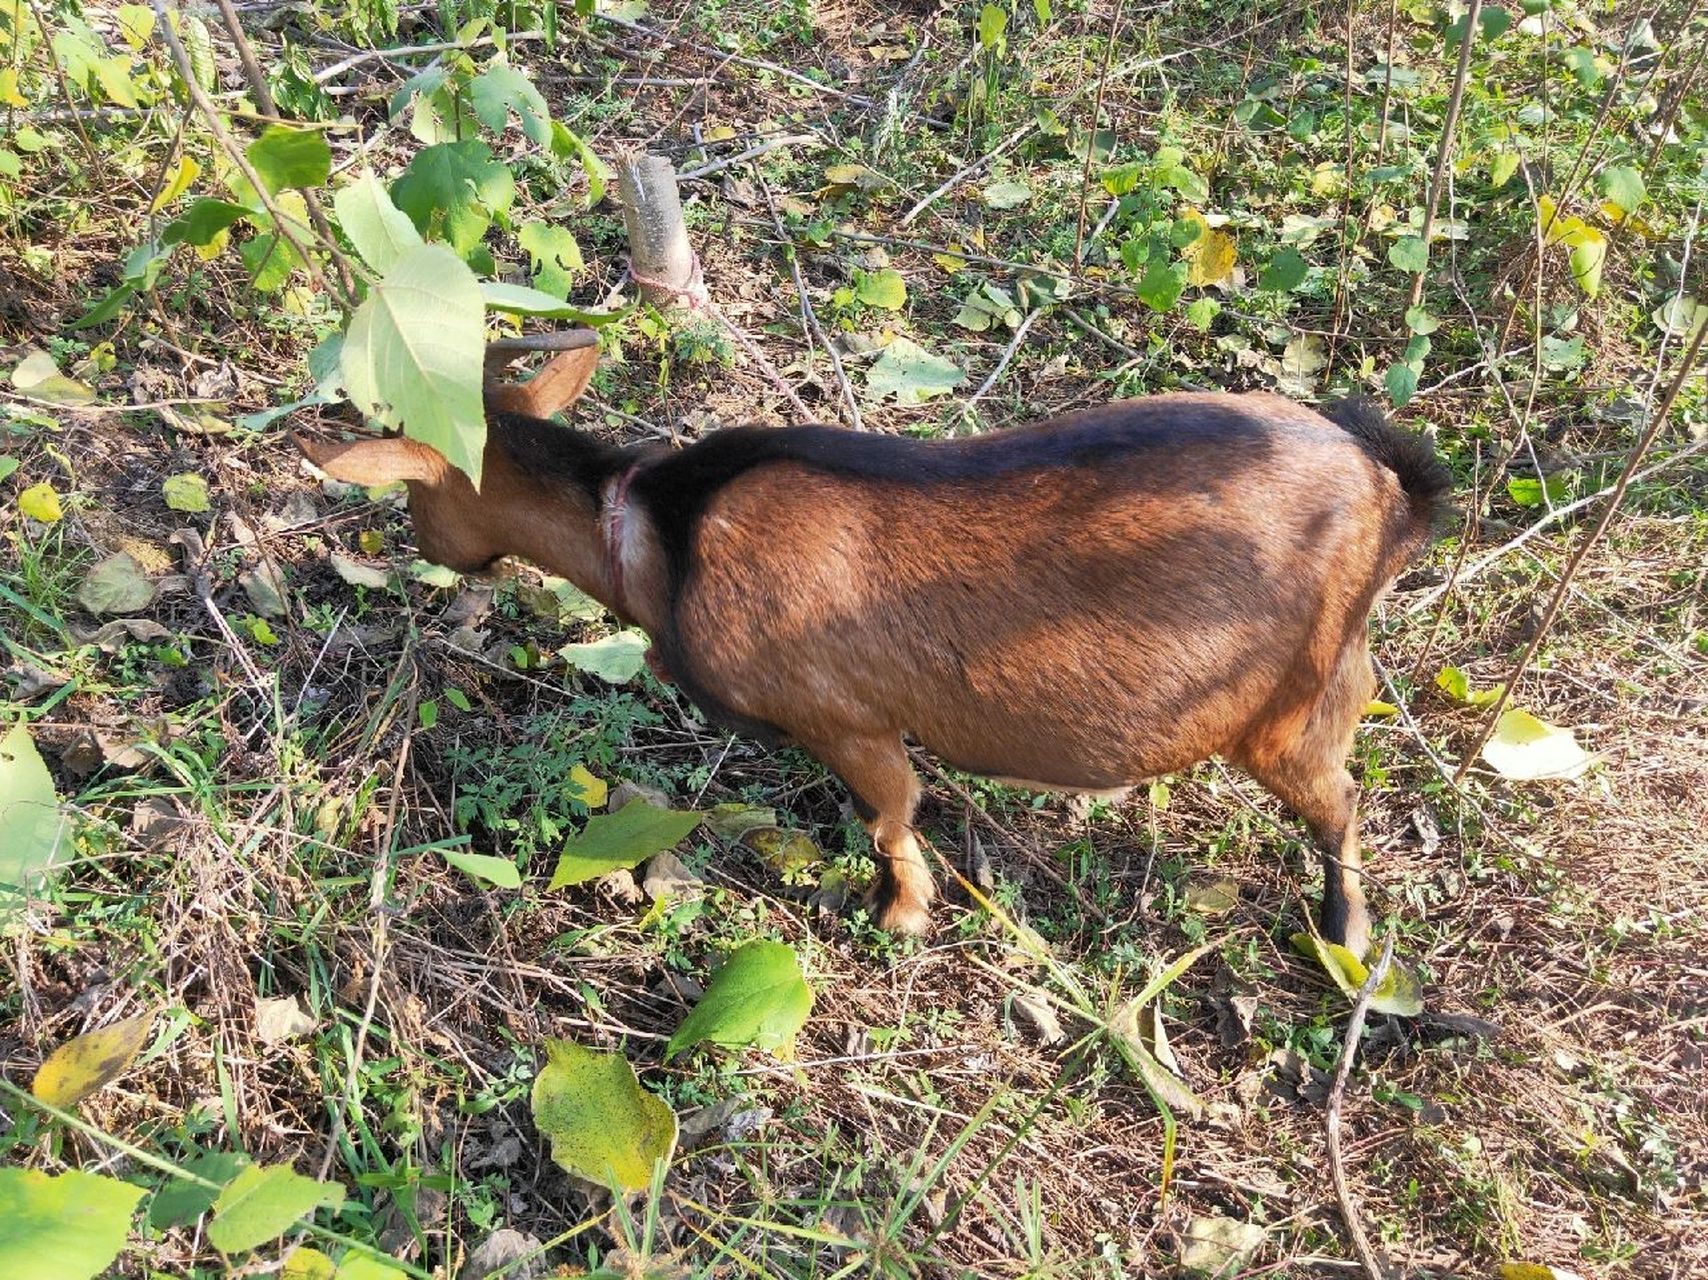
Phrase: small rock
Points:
(668, 877)
(620, 887)
(624, 792)
(1036, 1010)
(280, 1019)
(1219, 1247)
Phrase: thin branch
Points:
(967, 170)
(1007, 355)
(222, 135)
(752, 153)
(1685, 369)
(1373, 1267)
(264, 102)
(1449, 127)
(1091, 134)
(809, 315)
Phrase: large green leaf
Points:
(413, 355)
(30, 824)
(286, 157)
(453, 190)
(1286, 271)
(202, 222)
(69, 1227)
(262, 1203)
(614, 841)
(1622, 187)
(183, 1200)
(912, 374)
(616, 658)
(501, 89)
(603, 1126)
(381, 232)
(554, 255)
(759, 997)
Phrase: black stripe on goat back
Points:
(677, 487)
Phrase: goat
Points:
(1078, 604)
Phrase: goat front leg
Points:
(885, 792)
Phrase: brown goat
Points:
(1078, 604)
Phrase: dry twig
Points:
(1337, 1091)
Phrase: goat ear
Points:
(558, 384)
(375, 462)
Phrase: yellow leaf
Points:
(90, 1061)
(182, 176)
(40, 502)
(214, 247)
(308, 1264)
(9, 95)
(1613, 211)
(371, 541)
(719, 133)
(948, 263)
(593, 790)
(1375, 708)
(1209, 258)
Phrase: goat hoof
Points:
(904, 917)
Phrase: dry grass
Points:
(294, 784)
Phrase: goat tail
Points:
(1410, 455)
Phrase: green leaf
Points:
(1007, 195)
(381, 232)
(262, 1203)
(519, 299)
(554, 255)
(501, 89)
(911, 374)
(185, 491)
(484, 866)
(1621, 186)
(616, 659)
(1162, 284)
(1409, 254)
(1202, 313)
(758, 997)
(1454, 683)
(603, 1126)
(285, 157)
(8, 464)
(413, 355)
(1401, 380)
(1582, 64)
(993, 21)
(118, 584)
(616, 841)
(453, 190)
(69, 1227)
(1286, 271)
(1505, 164)
(1589, 254)
(1398, 993)
(270, 260)
(362, 1266)
(1123, 179)
(181, 1201)
(1526, 749)
(91, 1061)
(202, 222)
(1420, 321)
(39, 377)
(1680, 316)
(885, 289)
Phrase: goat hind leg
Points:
(885, 790)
